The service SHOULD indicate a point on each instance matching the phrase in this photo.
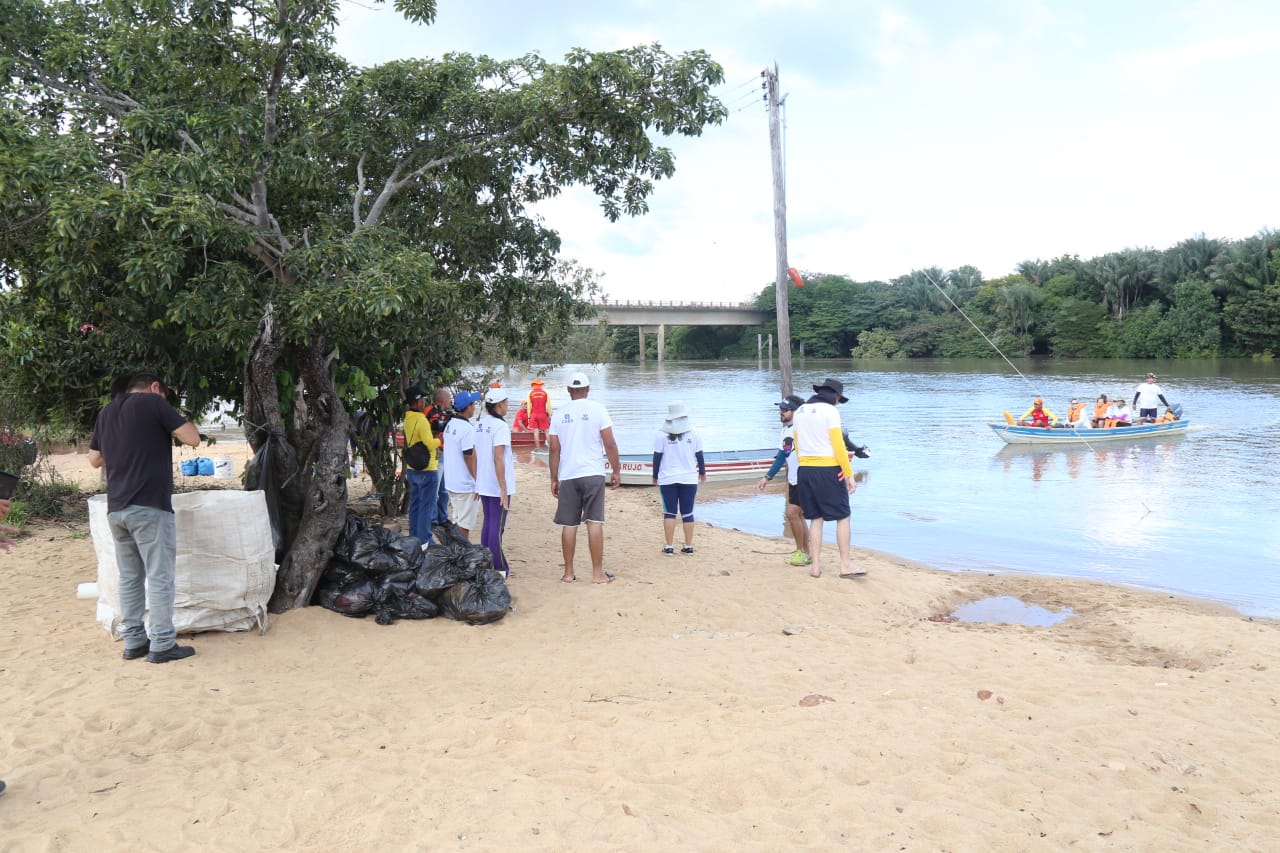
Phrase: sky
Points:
(917, 134)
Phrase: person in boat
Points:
(678, 468)
(1119, 415)
(1100, 409)
(1038, 415)
(581, 436)
(1145, 397)
(788, 457)
(1171, 414)
(495, 473)
(1079, 416)
(825, 477)
(537, 409)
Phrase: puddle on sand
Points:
(1012, 611)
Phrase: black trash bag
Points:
(479, 602)
(411, 604)
(446, 565)
(356, 599)
(259, 475)
(351, 530)
(448, 533)
(378, 550)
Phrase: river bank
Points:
(702, 702)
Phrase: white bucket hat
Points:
(677, 421)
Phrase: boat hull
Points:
(1066, 436)
(722, 465)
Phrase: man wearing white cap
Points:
(581, 436)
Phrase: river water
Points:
(1194, 515)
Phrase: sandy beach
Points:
(717, 701)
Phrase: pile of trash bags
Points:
(376, 570)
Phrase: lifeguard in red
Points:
(537, 405)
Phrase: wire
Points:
(947, 296)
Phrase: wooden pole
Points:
(779, 230)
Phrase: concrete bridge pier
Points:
(661, 329)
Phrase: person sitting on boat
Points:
(1100, 410)
(1078, 415)
(1119, 414)
(1171, 414)
(1038, 415)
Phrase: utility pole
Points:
(779, 228)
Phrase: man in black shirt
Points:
(132, 438)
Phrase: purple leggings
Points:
(495, 524)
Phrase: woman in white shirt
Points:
(678, 467)
(495, 474)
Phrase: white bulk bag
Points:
(225, 568)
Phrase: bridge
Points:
(656, 316)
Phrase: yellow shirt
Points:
(418, 428)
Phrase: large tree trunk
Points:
(308, 456)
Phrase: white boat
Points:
(722, 465)
(1064, 435)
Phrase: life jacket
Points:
(1100, 410)
(1073, 412)
(1167, 417)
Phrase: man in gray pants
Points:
(132, 438)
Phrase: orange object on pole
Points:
(795, 276)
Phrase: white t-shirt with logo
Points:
(679, 458)
(460, 436)
(493, 432)
(813, 423)
(578, 425)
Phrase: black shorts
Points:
(822, 493)
(793, 494)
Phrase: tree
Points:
(1192, 323)
(207, 185)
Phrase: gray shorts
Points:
(581, 499)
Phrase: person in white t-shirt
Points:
(789, 458)
(458, 463)
(581, 437)
(1145, 397)
(825, 478)
(678, 468)
(495, 473)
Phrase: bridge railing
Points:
(735, 306)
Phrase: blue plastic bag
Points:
(189, 467)
(204, 466)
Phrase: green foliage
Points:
(1076, 329)
(877, 343)
(1192, 323)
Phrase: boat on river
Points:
(722, 465)
(1066, 435)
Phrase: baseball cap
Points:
(579, 380)
(463, 399)
(792, 403)
(496, 395)
(414, 394)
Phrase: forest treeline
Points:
(1201, 298)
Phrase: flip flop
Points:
(851, 576)
(608, 578)
(568, 580)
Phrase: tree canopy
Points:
(206, 189)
